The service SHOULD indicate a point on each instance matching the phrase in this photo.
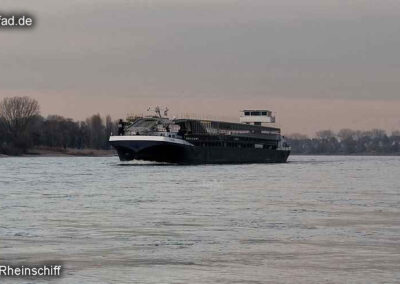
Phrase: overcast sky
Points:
(319, 64)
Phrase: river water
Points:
(315, 219)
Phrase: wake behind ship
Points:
(194, 141)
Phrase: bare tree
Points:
(110, 128)
(325, 134)
(96, 131)
(17, 113)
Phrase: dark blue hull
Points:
(160, 151)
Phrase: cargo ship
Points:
(157, 138)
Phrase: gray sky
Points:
(319, 64)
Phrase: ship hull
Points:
(163, 149)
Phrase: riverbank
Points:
(347, 154)
(61, 152)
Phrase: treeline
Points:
(22, 128)
(347, 142)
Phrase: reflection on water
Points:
(314, 219)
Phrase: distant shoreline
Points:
(60, 152)
(348, 154)
(110, 153)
